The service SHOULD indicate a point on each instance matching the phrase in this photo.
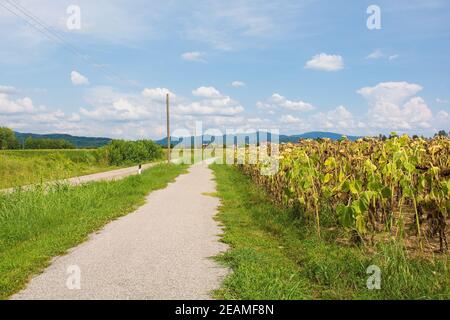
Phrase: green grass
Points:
(24, 167)
(276, 255)
(38, 225)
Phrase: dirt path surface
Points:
(161, 251)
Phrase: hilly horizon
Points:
(96, 142)
(78, 141)
(282, 138)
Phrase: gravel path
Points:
(109, 175)
(161, 251)
(101, 176)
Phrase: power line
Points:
(57, 37)
(61, 39)
(13, 12)
(45, 27)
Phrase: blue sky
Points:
(295, 66)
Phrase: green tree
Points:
(8, 139)
(31, 143)
(441, 133)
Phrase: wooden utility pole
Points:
(168, 128)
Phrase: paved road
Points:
(161, 251)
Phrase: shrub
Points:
(121, 152)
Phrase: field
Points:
(371, 190)
(25, 167)
(277, 254)
(37, 225)
(334, 211)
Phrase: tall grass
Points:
(24, 167)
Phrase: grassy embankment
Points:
(274, 255)
(25, 167)
(37, 225)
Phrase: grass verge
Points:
(25, 167)
(37, 225)
(274, 255)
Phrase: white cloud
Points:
(7, 90)
(75, 117)
(23, 114)
(289, 119)
(238, 84)
(223, 25)
(10, 106)
(124, 115)
(278, 101)
(157, 93)
(194, 56)
(107, 104)
(145, 112)
(78, 79)
(394, 106)
(214, 103)
(417, 112)
(379, 54)
(325, 62)
(393, 92)
(54, 118)
(109, 112)
(206, 92)
(443, 114)
(223, 107)
(393, 57)
(229, 25)
(442, 121)
(338, 119)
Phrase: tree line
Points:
(117, 152)
(9, 141)
(33, 143)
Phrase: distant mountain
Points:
(79, 142)
(316, 135)
(283, 138)
(95, 142)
